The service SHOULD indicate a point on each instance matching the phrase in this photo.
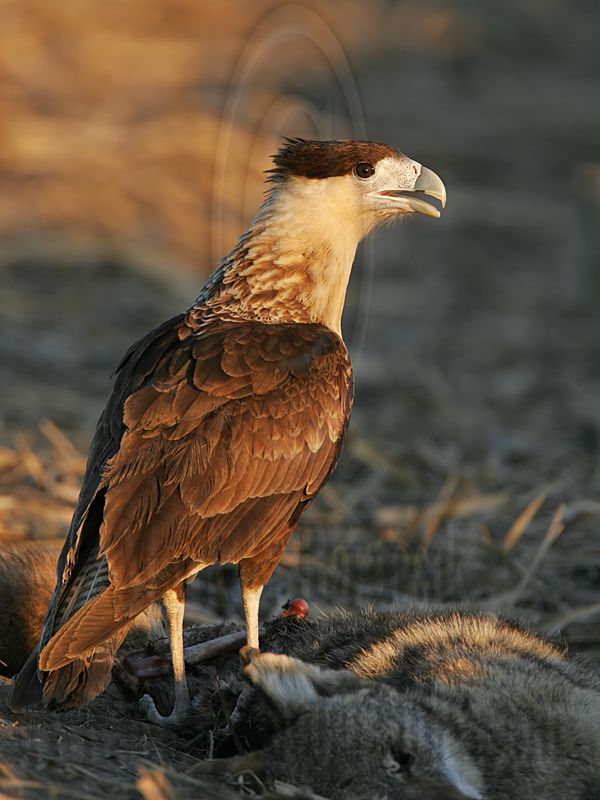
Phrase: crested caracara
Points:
(224, 421)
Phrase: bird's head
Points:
(357, 184)
(294, 262)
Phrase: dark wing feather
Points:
(82, 542)
(212, 444)
(80, 572)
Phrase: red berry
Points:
(296, 608)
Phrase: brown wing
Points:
(78, 566)
(229, 434)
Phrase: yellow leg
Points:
(174, 605)
(251, 600)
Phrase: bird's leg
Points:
(251, 599)
(174, 603)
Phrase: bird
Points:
(224, 421)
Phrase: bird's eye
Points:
(364, 170)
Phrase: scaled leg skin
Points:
(251, 599)
(174, 603)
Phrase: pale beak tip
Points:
(430, 183)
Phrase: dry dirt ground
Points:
(472, 472)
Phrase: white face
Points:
(350, 206)
(314, 225)
(396, 186)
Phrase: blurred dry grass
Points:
(108, 138)
(38, 493)
(111, 116)
(472, 473)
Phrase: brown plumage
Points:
(213, 410)
(223, 424)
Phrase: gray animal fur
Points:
(429, 705)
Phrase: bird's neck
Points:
(294, 263)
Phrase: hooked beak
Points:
(428, 184)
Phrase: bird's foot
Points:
(179, 717)
(248, 653)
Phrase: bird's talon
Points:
(148, 708)
(248, 654)
(179, 716)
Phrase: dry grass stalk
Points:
(558, 622)
(39, 488)
(555, 528)
(522, 522)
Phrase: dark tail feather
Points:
(83, 679)
(27, 687)
(72, 685)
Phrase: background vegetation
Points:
(132, 143)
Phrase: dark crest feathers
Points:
(312, 158)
